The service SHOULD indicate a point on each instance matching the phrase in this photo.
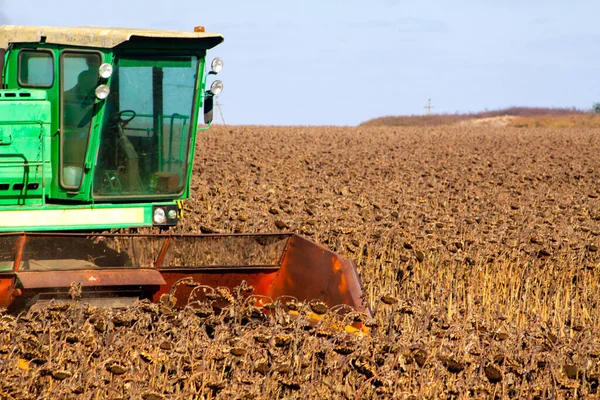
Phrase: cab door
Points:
(79, 79)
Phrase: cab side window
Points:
(36, 68)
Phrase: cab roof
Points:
(99, 37)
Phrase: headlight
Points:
(172, 214)
(216, 65)
(159, 216)
(102, 92)
(105, 71)
(216, 87)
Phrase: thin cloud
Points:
(407, 24)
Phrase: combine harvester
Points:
(97, 131)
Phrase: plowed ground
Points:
(477, 247)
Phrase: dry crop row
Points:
(477, 247)
(467, 227)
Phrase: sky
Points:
(342, 62)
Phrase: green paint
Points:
(61, 148)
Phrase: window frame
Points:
(20, 64)
(61, 91)
(200, 64)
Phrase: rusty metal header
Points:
(74, 251)
(89, 36)
(275, 265)
(93, 278)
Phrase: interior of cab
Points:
(146, 129)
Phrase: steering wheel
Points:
(124, 116)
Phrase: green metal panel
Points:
(25, 171)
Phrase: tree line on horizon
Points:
(521, 113)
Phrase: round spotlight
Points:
(216, 87)
(102, 92)
(159, 216)
(172, 214)
(105, 71)
(216, 65)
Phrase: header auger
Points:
(97, 131)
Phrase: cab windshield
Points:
(144, 144)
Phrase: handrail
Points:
(32, 122)
(16, 164)
(181, 116)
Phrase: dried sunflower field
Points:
(478, 249)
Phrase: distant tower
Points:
(219, 105)
(428, 107)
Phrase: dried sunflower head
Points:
(388, 299)
(318, 307)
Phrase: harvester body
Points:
(85, 147)
(97, 131)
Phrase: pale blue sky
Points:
(341, 62)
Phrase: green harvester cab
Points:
(98, 125)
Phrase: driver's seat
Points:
(131, 179)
